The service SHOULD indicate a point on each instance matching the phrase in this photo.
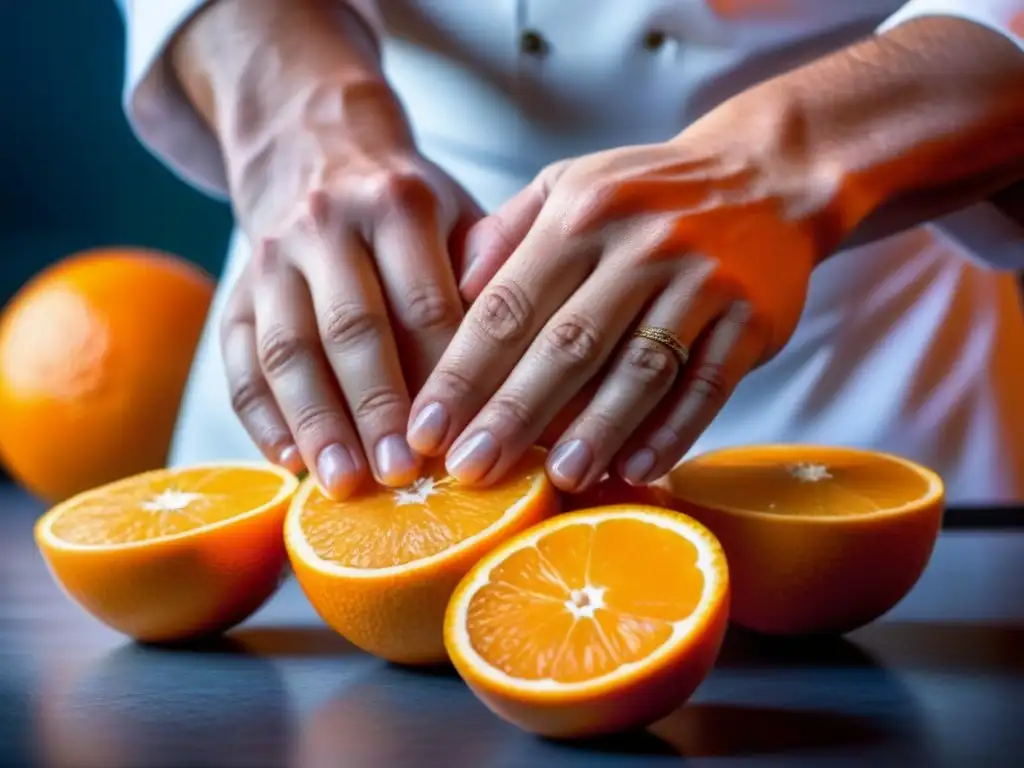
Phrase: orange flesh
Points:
(387, 527)
(585, 600)
(165, 505)
(823, 484)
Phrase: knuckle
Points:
(454, 385)
(313, 214)
(512, 413)
(755, 321)
(575, 340)
(247, 393)
(504, 313)
(401, 189)
(710, 381)
(426, 308)
(317, 209)
(346, 323)
(650, 362)
(281, 347)
(266, 257)
(550, 174)
(374, 402)
(587, 206)
(312, 418)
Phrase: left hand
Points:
(710, 236)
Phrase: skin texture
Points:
(683, 235)
(362, 247)
(351, 295)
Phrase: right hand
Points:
(352, 233)
(351, 294)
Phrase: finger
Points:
(568, 352)
(294, 367)
(642, 373)
(359, 345)
(416, 276)
(730, 350)
(569, 413)
(497, 330)
(251, 398)
(469, 215)
(493, 240)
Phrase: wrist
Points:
(926, 106)
(247, 65)
(765, 132)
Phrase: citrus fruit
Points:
(819, 539)
(612, 490)
(593, 622)
(380, 566)
(94, 355)
(171, 555)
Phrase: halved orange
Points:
(819, 539)
(592, 622)
(172, 554)
(380, 566)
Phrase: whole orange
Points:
(94, 355)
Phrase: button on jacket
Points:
(913, 344)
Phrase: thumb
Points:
(494, 238)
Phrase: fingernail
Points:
(473, 459)
(467, 276)
(639, 466)
(336, 471)
(427, 431)
(569, 462)
(290, 458)
(395, 463)
(471, 251)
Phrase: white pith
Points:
(296, 539)
(417, 493)
(934, 493)
(288, 485)
(707, 555)
(171, 500)
(807, 472)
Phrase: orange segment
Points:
(163, 504)
(802, 480)
(390, 528)
(593, 621)
(819, 539)
(380, 567)
(172, 554)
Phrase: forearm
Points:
(248, 64)
(906, 126)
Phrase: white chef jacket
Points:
(913, 345)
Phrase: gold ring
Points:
(666, 338)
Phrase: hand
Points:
(709, 236)
(351, 267)
(351, 294)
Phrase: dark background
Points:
(73, 176)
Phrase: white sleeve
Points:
(981, 230)
(159, 114)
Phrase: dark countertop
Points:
(939, 682)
